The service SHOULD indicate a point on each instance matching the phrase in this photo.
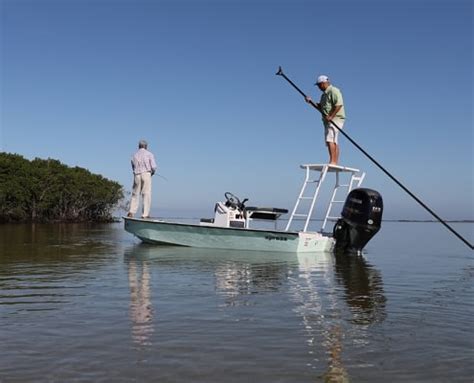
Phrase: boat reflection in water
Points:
(141, 310)
(238, 279)
(335, 296)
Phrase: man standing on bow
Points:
(143, 166)
(331, 106)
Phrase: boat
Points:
(232, 226)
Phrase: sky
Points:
(82, 81)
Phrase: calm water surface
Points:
(92, 304)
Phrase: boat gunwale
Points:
(241, 229)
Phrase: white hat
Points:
(321, 79)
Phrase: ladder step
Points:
(332, 218)
(306, 198)
(300, 215)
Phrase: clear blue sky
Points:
(84, 80)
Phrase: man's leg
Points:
(135, 195)
(146, 194)
(331, 143)
(332, 138)
(333, 149)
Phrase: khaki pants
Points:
(141, 185)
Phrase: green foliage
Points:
(47, 190)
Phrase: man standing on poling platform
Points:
(331, 106)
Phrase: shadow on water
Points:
(336, 296)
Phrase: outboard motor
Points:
(361, 220)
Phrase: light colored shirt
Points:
(143, 161)
(331, 97)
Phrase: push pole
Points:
(280, 73)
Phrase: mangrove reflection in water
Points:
(336, 296)
(45, 266)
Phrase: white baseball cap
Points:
(322, 78)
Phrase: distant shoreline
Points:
(430, 220)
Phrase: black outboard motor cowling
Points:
(361, 220)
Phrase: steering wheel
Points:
(232, 200)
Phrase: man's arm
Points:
(333, 112)
(315, 104)
(153, 164)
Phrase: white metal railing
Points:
(356, 179)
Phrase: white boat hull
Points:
(191, 235)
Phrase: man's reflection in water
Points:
(337, 297)
(336, 371)
(317, 290)
(141, 311)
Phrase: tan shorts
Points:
(330, 132)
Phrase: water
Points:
(85, 303)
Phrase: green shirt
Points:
(331, 97)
